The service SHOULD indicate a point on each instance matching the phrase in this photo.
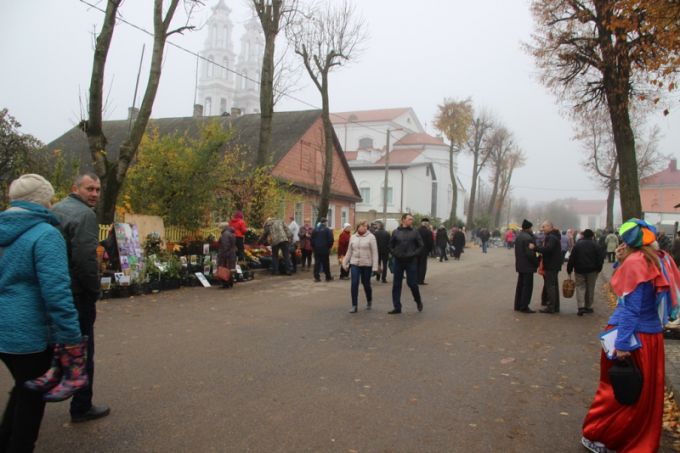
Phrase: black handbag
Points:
(626, 379)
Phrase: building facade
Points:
(418, 178)
(660, 193)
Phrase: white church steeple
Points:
(250, 65)
(216, 86)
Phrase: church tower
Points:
(216, 86)
(250, 65)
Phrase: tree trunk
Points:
(269, 19)
(328, 148)
(454, 188)
(494, 193)
(611, 194)
(473, 192)
(629, 188)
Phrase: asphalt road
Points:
(279, 365)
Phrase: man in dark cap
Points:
(587, 259)
(526, 264)
(426, 233)
(322, 242)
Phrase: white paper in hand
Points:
(608, 340)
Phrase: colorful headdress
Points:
(636, 233)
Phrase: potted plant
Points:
(170, 277)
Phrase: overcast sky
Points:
(418, 53)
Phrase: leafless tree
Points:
(327, 37)
(477, 146)
(273, 15)
(112, 171)
(501, 144)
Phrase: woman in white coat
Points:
(362, 260)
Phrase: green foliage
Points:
(483, 221)
(173, 268)
(175, 176)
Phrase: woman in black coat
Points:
(458, 241)
(226, 256)
(442, 243)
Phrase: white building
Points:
(418, 167)
(219, 89)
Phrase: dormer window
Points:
(366, 143)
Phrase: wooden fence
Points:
(173, 233)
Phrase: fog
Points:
(418, 53)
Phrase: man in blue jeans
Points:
(405, 246)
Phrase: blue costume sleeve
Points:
(629, 313)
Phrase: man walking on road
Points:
(526, 264)
(484, 237)
(428, 244)
(322, 242)
(587, 259)
(382, 237)
(551, 249)
(406, 245)
(81, 231)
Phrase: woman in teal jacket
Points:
(36, 306)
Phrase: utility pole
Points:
(387, 168)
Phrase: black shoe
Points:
(353, 309)
(581, 311)
(420, 306)
(546, 310)
(317, 280)
(422, 283)
(589, 310)
(384, 281)
(527, 310)
(329, 279)
(94, 413)
(394, 312)
(368, 305)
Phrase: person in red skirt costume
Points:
(645, 283)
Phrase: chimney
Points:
(132, 113)
(235, 111)
(198, 110)
(673, 166)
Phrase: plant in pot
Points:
(152, 275)
(170, 278)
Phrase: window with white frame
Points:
(366, 143)
(344, 216)
(331, 216)
(299, 212)
(389, 194)
(365, 193)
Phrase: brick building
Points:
(297, 155)
(660, 193)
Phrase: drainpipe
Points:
(401, 201)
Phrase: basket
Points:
(568, 287)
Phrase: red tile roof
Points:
(420, 139)
(402, 156)
(351, 155)
(668, 177)
(367, 116)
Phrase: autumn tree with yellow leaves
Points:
(608, 52)
(453, 120)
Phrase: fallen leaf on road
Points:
(564, 413)
(507, 360)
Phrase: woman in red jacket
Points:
(343, 245)
(240, 228)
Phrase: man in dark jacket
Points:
(322, 242)
(484, 237)
(551, 249)
(525, 265)
(442, 241)
(406, 244)
(428, 244)
(382, 237)
(81, 231)
(586, 258)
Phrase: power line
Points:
(120, 18)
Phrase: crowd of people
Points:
(48, 297)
